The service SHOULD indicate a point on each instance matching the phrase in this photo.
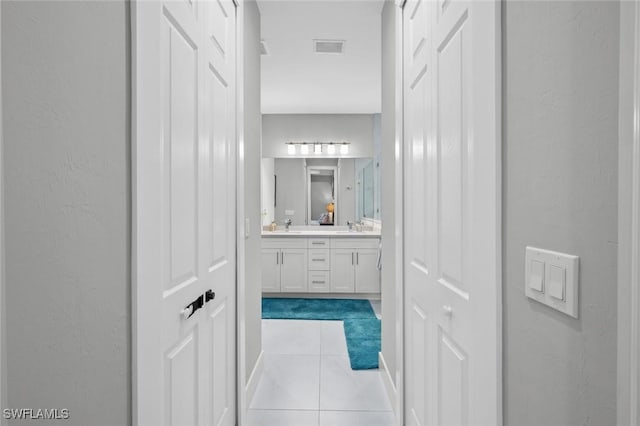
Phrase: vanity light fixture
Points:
(305, 148)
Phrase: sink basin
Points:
(285, 232)
(347, 232)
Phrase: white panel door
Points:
(367, 279)
(452, 203)
(270, 270)
(184, 212)
(343, 270)
(293, 270)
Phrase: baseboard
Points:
(388, 382)
(254, 378)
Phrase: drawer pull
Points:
(317, 282)
(318, 243)
(317, 260)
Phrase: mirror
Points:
(301, 188)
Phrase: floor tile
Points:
(332, 340)
(282, 418)
(293, 337)
(357, 418)
(344, 389)
(288, 382)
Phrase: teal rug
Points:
(363, 342)
(361, 327)
(316, 309)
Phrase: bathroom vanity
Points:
(320, 261)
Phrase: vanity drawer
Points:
(319, 259)
(281, 243)
(319, 281)
(355, 243)
(318, 243)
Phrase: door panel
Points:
(293, 270)
(342, 270)
(452, 187)
(270, 270)
(184, 212)
(367, 278)
(181, 375)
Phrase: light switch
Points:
(536, 276)
(556, 282)
(289, 212)
(552, 278)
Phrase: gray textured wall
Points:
(388, 190)
(65, 81)
(252, 135)
(560, 89)
(625, 155)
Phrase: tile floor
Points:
(307, 380)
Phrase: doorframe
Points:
(399, 210)
(628, 359)
(242, 404)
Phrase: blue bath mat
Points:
(361, 327)
(316, 309)
(363, 342)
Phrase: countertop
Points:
(320, 231)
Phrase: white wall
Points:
(267, 183)
(252, 130)
(560, 147)
(357, 129)
(387, 188)
(66, 88)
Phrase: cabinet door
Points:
(367, 273)
(293, 270)
(270, 270)
(342, 270)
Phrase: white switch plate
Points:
(560, 282)
(289, 212)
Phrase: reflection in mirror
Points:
(322, 205)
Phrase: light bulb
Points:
(317, 148)
(291, 149)
(331, 149)
(304, 149)
(344, 149)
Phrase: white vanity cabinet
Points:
(355, 265)
(320, 265)
(284, 265)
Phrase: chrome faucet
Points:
(350, 225)
(287, 224)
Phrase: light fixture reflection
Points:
(344, 149)
(331, 149)
(291, 149)
(304, 149)
(317, 148)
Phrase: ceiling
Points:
(295, 80)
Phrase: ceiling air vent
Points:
(263, 48)
(328, 46)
